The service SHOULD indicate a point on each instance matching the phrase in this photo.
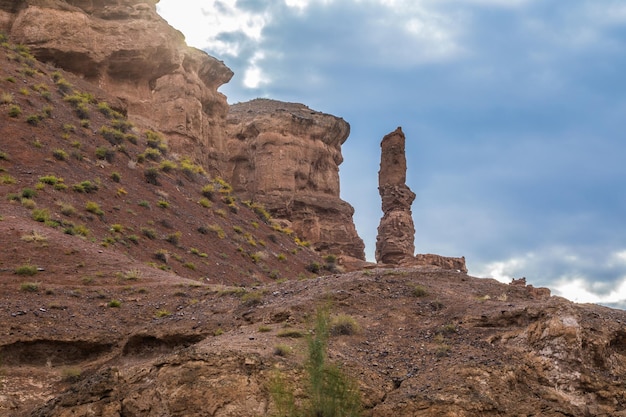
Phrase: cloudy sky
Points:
(514, 112)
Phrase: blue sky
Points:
(514, 114)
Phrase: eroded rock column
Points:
(396, 232)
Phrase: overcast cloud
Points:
(514, 113)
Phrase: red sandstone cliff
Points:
(290, 162)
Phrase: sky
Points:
(513, 110)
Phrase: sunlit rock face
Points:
(287, 157)
(128, 50)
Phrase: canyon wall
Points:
(128, 50)
(284, 157)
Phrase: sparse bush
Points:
(15, 110)
(174, 238)
(282, 350)
(28, 193)
(208, 191)
(163, 204)
(50, 180)
(167, 166)
(27, 270)
(60, 154)
(418, 290)
(163, 313)
(343, 325)
(67, 209)
(114, 303)
(314, 267)
(290, 333)
(330, 393)
(105, 154)
(151, 175)
(28, 203)
(46, 111)
(29, 286)
(86, 187)
(162, 255)
(116, 177)
(93, 207)
(40, 215)
(114, 136)
(205, 202)
(6, 98)
(149, 233)
(7, 179)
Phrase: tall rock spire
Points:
(396, 232)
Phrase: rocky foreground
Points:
(429, 343)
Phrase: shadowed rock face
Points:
(127, 49)
(396, 232)
(287, 157)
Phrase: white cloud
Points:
(202, 21)
(254, 76)
(580, 290)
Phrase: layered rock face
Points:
(287, 157)
(128, 50)
(394, 243)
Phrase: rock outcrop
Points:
(128, 50)
(396, 232)
(283, 155)
(287, 157)
(443, 262)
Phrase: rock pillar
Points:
(396, 232)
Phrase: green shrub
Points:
(282, 350)
(343, 325)
(418, 291)
(29, 286)
(27, 270)
(93, 207)
(105, 154)
(50, 180)
(151, 175)
(7, 179)
(152, 154)
(122, 125)
(114, 136)
(168, 166)
(144, 203)
(149, 233)
(174, 238)
(60, 154)
(208, 191)
(163, 204)
(86, 187)
(163, 313)
(162, 255)
(115, 303)
(205, 202)
(67, 209)
(314, 267)
(6, 98)
(4, 156)
(116, 177)
(15, 110)
(329, 392)
(41, 215)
